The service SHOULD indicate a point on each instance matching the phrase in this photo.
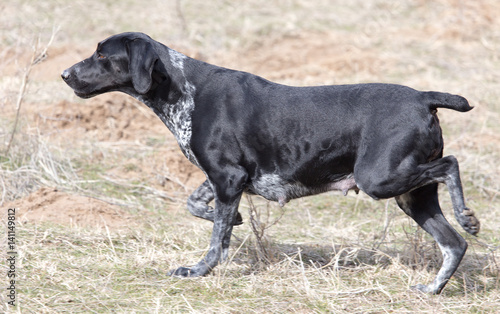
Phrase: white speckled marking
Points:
(177, 59)
(177, 117)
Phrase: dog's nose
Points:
(65, 74)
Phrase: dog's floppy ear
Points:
(142, 58)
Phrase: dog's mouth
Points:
(84, 95)
(85, 91)
(80, 87)
(92, 93)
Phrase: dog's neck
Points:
(172, 99)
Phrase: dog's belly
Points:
(274, 188)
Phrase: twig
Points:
(259, 227)
(19, 101)
(35, 59)
(388, 219)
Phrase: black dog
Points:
(251, 135)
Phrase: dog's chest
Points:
(177, 118)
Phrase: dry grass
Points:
(327, 253)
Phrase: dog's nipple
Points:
(282, 201)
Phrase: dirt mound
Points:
(51, 205)
(110, 117)
(165, 169)
(154, 157)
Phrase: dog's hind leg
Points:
(415, 189)
(402, 179)
(422, 205)
(197, 203)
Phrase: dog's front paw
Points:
(425, 289)
(420, 288)
(184, 272)
(469, 222)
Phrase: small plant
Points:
(260, 221)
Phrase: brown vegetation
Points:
(100, 185)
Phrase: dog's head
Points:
(123, 62)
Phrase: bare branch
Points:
(36, 58)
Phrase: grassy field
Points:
(100, 185)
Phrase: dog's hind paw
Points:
(468, 221)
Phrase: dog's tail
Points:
(444, 100)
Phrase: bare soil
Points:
(309, 58)
(51, 205)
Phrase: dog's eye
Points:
(100, 56)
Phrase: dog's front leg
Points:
(227, 200)
(219, 244)
(197, 203)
